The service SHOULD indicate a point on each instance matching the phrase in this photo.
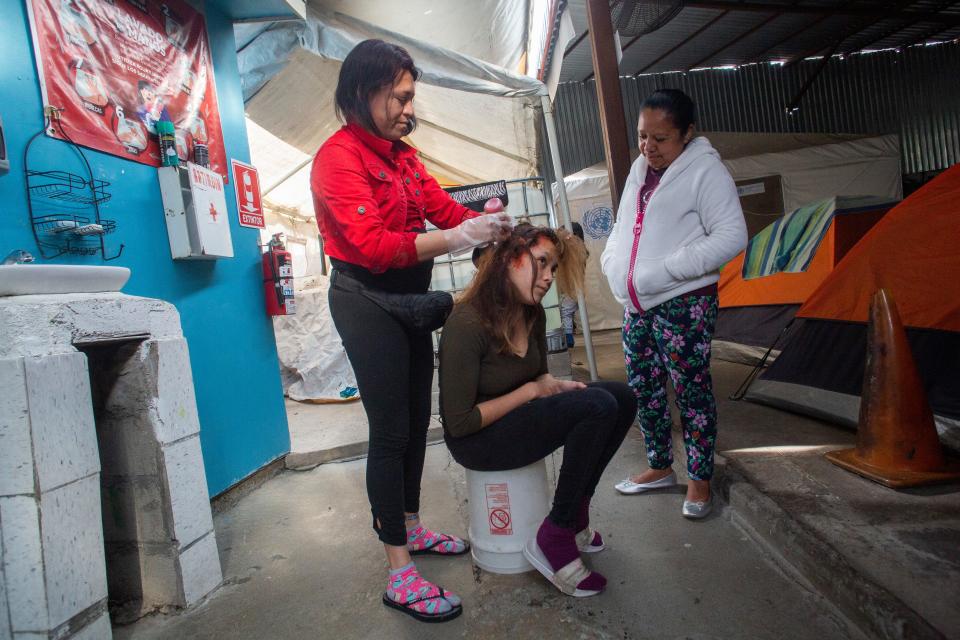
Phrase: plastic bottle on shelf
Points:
(168, 144)
(201, 153)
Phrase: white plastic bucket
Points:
(506, 509)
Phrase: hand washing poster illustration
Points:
(117, 68)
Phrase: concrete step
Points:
(854, 542)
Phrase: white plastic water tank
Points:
(506, 509)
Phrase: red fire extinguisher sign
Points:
(246, 181)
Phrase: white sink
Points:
(23, 279)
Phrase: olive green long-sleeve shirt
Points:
(471, 370)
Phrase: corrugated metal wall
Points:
(915, 93)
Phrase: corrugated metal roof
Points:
(761, 31)
(913, 92)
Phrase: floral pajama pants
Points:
(673, 339)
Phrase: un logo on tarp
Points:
(598, 222)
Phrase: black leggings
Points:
(589, 424)
(394, 372)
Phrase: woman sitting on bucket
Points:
(502, 410)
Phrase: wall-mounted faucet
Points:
(18, 256)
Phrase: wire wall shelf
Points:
(67, 187)
(65, 207)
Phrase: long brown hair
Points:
(492, 292)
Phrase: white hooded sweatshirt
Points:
(693, 225)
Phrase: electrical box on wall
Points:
(195, 208)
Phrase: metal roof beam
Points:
(927, 35)
(735, 40)
(683, 42)
(852, 29)
(622, 49)
(879, 12)
(759, 57)
(794, 104)
(909, 22)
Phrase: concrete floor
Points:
(322, 433)
(321, 427)
(300, 562)
(801, 550)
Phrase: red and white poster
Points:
(246, 181)
(117, 67)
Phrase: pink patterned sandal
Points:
(422, 600)
(421, 540)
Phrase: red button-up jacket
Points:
(371, 195)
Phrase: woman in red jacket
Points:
(372, 198)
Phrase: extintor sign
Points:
(246, 181)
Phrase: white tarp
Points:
(333, 35)
(852, 168)
(468, 132)
(313, 365)
(494, 31)
(462, 137)
(810, 170)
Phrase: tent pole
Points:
(565, 221)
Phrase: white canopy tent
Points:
(494, 31)
(478, 120)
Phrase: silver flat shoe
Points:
(629, 487)
(697, 510)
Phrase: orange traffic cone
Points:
(897, 442)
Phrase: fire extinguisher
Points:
(278, 279)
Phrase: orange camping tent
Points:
(912, 252)
(754, 311)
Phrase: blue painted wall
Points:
(232, 349)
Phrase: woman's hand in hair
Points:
(546, 386)
(474, 232)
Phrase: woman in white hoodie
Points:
(678, 222)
